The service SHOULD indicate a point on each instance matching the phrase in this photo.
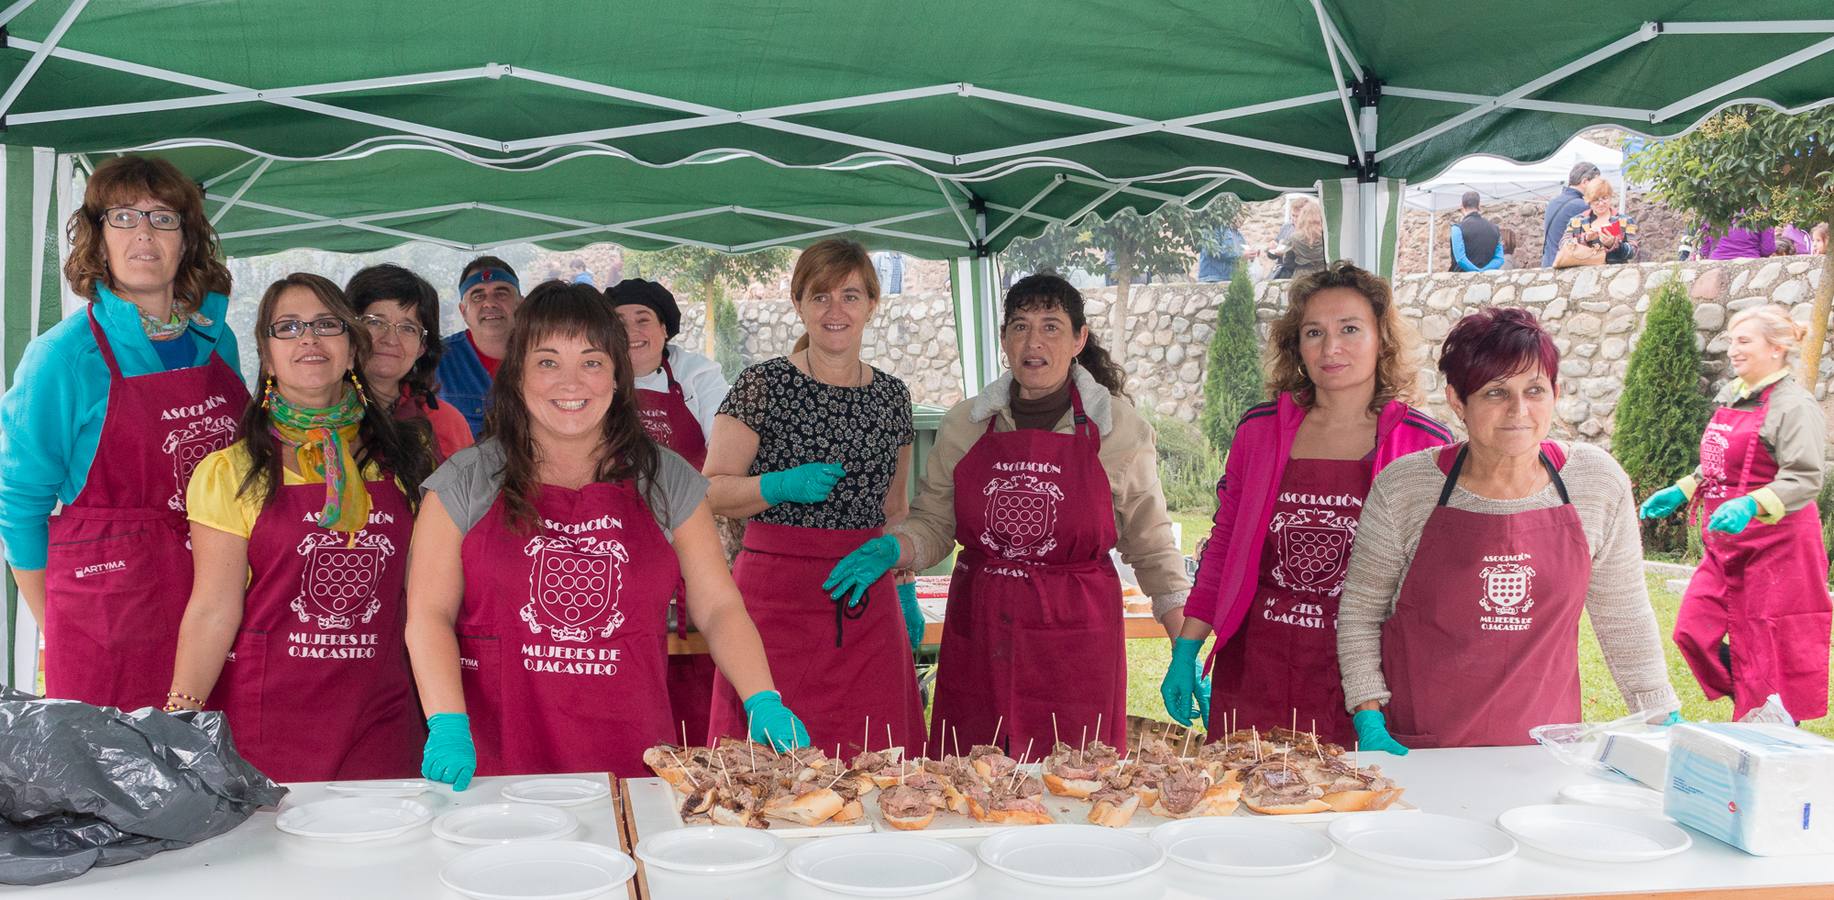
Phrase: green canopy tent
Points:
(945, 129)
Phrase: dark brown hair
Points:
(391, 282)
(625, 450)
(1395, 375)
(397, 451)
(125, 180)
(1045, 291)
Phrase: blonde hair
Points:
(1309, 219)
(1395, 375)
(1775, 324)
(1599, 189)
(826, 264)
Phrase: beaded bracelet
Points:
(172, 706)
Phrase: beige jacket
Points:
(1128, 454)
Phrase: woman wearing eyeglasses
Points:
(144, 379)
(401, 312)
(300, 531)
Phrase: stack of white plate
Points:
(1595, 833)
(1072, 855)
(1243, 847)
(557, 791)
(352, 819)
(503, 823)
(1422, 840)
(538, 870)
(388, 787)
(880, 865)
(713, 850)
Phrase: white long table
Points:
(257, 860)
(1474, 783)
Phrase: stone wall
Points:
(1596, 315)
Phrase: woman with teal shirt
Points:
(108, 414)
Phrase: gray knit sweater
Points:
(1402, 498)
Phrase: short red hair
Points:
(1496, 342)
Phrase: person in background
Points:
(1040, 478)
(488, 297)
(889, 264)
(1818, 239)
(145, 382)
(1792, 240)
(1755, 618)
(300, 531)
(1219, 265)
(544, 561)
(1305, 251)
(678, 394)
(1739, 242)
(1570, 202)
(1601, 227)
(400, 311)
(815, 448)
(1473, 562)
(1272, 570)
(1477, 243)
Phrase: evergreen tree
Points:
(1233, 381)
(728, 339)
(1663, 409)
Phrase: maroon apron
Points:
(669, 422)
(1765, 588)
(1484, 641)
(835, 669)
(317, 686)
(562, 635)
(1033, 627)
(1280, 667)
(118, 574)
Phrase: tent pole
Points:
(1368, 207)
(1432, 235)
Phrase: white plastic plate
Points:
(880, 865)
(502, 823)
(1231, 846)
(556, 791)
(540, 870)
(1422, 840)
(1629, 797)
(1072, 855)
(399, 787)
(717, 850)
(1594, 833)
(352, 819)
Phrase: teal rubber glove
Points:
(1733, 515)
(772, 723)
(1372, 732)
(913, 614)
(1674, 718)
(1183, 691)
(449, 756)
(1662, 503)
(811, 483)
(861, 568)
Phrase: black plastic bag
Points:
(84, 786)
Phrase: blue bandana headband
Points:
(491, 274)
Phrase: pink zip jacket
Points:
(1226, 573)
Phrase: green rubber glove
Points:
(1674, 718)
(1182, 690)
(1662, 503)
(811, 483)
(449, 756)
(1733, 515)
(913, 614)
(861, 568)
(1372, 732)
(772, 723)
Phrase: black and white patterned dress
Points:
(800, 420)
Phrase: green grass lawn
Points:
(1600, 702)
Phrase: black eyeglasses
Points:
(129, 217)
(324, 326)
(404, 331)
